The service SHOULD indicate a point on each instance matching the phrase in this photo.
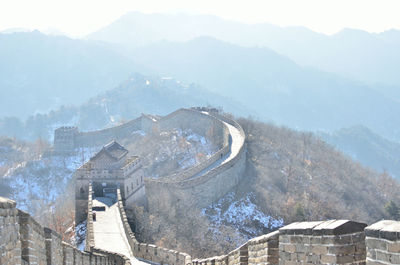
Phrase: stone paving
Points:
(237, 141)
(109, 232)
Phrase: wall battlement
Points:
(202, 185)
(323, 242)
(23, 241)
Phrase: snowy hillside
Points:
(242, 214)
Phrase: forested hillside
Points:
(290, 176)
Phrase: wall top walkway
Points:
(109, 231)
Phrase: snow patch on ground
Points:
(80, 236)
(39, 182)
(242, 214)
(174, 151)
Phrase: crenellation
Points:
(10, 243)
(24, 241)
(334, 241)
(383, 242)
(326, 242)
(54, 249)
(33, 244)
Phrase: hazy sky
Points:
(80, 17)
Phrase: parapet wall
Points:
(199, 190)
(67, 139)
(89, 240)
(102, 137)
(10, 241)
(33, 241)
(323, 242)
(185, 119)
(259, 250)
(24, 241)
(203, 124)
(196, 121)
(147, 251)
(383, 243)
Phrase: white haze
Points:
(79, 18)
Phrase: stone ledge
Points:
(7, 203)
(48, 233)
(264, 238)
(386, 229)
(319, 228)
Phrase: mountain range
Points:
(277, 88)
(368, 57)
(291, 76)
(364, 145)
(42, 72)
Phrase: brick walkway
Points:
(109, 232)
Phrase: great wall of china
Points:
(24, 241)
(198, 186)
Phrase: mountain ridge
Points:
(369, 57)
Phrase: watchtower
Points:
(109, 169)
(64, 139)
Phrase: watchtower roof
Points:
(67, 129)
(113, 149)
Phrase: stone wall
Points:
(259, 250)
(175, 194)
(190, 187)
(23, 241)
(89, 240)
(54, 248)
(138, 197)
(10, 243)
(67, 139)
(324, 242)
(33, 243)
(264, 249)
(196, 121)
(102, 137)
(383, 243)
(148, 251)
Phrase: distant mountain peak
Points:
(15, 30)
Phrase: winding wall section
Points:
(208, 181)
(197, 186)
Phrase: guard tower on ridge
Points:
(109, 169)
